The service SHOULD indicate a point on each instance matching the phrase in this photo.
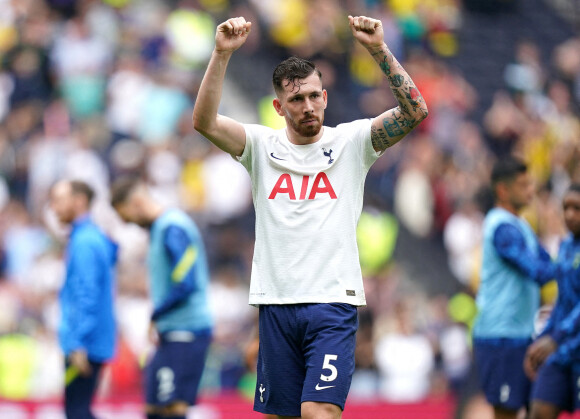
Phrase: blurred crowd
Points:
(93, 90)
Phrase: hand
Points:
(537, 353)
(367, 31)
(231, 34)
(153, 334)
(80, 361)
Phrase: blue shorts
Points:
(500, 365)
(558, 385)
(174, 372)
(306, 354)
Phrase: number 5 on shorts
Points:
(326, 365)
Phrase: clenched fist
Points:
(367, 31)
(231, 34)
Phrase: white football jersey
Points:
(308, 199)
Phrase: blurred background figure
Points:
(513, 268)
(87, 330)
(181, 324)
(551, 360)
(405, 357)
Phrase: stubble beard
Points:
(306, 131)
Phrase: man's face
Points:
(62, 202)
(571, 206)
(520, 191)
(302, 105)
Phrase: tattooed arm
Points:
(391, 126)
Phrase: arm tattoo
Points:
(397, 80)
(384, 63)
(393, 127)
(404, 90)
(379, 139)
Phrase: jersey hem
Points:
(257, 303)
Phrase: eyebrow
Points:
(300, 94)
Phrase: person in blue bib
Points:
(553, 360)
(514, 267)
(181, 324)
(87, 331)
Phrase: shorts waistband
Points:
(509, 342)
(184, 335)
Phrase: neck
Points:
(80, 215)
(508, 207)
(298, 139)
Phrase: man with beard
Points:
(307, 185)
(87, 331)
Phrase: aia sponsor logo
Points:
(320, 185)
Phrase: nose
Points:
(308, 107)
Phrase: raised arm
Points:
(391, 126)
(224, 132)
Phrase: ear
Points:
(278, 106)
(325, 97)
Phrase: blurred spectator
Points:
(163, 104)
(127, 90)
(226, 187)
(567, 62)
(81, 61)
(414, 196)
(526, 73)
(462, 237)
(404, 356)
(234, 319)
(23, 241)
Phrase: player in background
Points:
(514, 266)
(553, 360)
(181, 325)
(87, 331)
(307, 187)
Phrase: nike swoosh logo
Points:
(319, 387)
(277, 158)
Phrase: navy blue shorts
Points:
(558, 385)
(174, 372)
(306, 354)
(500, 365)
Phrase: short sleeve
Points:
(247, 153)
(360, 133)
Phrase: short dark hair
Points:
(293, 69)
(122, 189)
(78, 187)
(506, 170)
